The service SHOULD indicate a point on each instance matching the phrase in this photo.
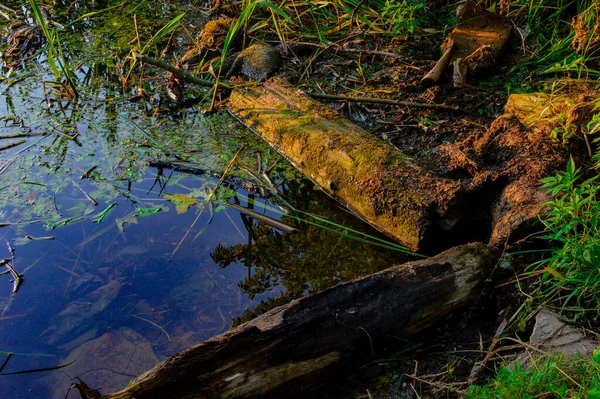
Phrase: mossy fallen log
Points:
(369, 176)
(299, 344)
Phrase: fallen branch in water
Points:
(233, 180)
(20, 135)
(409, 104)
(93, 201)
(264, 219)
(18, 278)
(208, 199)
(11, 145)
(188, 77)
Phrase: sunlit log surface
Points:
(368, 175)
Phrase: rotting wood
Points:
(372, 178)
(435, 74)
(479, 37)
(477, 40)
(301, 343)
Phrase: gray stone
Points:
(551, 336)
(107, 363)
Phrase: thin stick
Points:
(210, 196)
(18, 278)
(11, 145)
(265, 219)
(93, 201)
(6, 164)
(7, 9)
(409, 104)
(8, 224)
(87, 172)
(180, 73)
(19, 135)
(338, 48)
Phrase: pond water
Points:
(139, 260)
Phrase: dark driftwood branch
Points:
(383, 101)
(301, 344)
(180, 73)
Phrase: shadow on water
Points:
(134, 263)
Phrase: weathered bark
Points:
(312, 336)
(369, 176)
(479, 37)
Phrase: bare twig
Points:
(337, 48)
(20, 135)
(93, 201)
(87, 172)
(208, 199)
(6, 164)
(409, 104)
(265, 219)
(180, 73)
(11, 145)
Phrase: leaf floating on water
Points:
(182, 202)
(147, 211)
(100, 217)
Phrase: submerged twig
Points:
(265, 219)
(88, 172)
(6, 164)
(409, 104)
(18, 278)
(11, 145)
(93, 201)
(20, 135)
(208, 199)
(8, 224)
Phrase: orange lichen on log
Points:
(372, 178)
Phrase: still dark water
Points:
(160, 263)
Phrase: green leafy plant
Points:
(570, 277)
(545, 377)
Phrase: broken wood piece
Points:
(368, 175)
(435, 74)
(478, 40)
(300, 344)
(459, 77)
(479, 37)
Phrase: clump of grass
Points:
(546, 378)
(570, 278)
(57, 60)
(552, 43)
